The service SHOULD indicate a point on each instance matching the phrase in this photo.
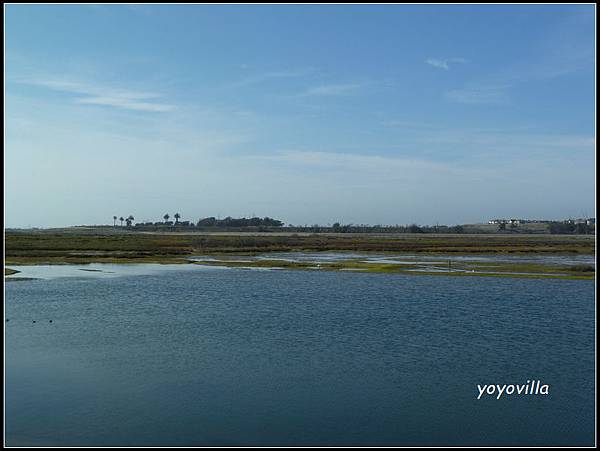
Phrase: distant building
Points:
(588, 221)
(512, 221)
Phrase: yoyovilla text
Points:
(530, 388)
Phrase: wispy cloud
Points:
(458, 142)
(565, 49)
(92, 94)
(407, 124)
(444, 63)
(332, 89)
(479, 95)
(267, 76)
(347, 161)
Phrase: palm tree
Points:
(114, 221)
(121, 219)
(177, 216)
(166, 217)
(129, 220)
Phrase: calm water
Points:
(233, 357)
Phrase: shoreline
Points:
(447, 267)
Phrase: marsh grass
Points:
(23, 248)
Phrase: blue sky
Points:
(385, 114)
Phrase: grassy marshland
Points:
(80, 247)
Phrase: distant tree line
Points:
(227, 222)
(267, 223)
(365, 228)
(568, 227)
(239, 222)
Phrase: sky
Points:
(312, 114)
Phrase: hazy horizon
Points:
(285, 223)
(364, 114)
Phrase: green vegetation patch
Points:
(97, 246)
(472, 269)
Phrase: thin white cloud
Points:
(564, 50)
(125, 103)
(479, 95)
(350, 163)
(444, 63)
(91, 94)
(267, 76)
(408, 124)
(332, 89)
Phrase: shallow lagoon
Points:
(537, 265)
(100, 270)
(424, 258)
(193, 355)
(420, 262)
(421, 258)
